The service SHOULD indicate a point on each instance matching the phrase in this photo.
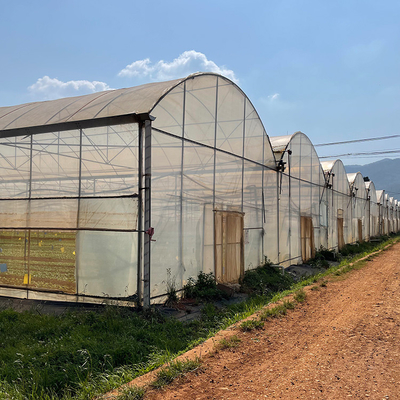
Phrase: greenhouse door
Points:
(340, 229)
(228, 242)
(360, 237)
(307, 238)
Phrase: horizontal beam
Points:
(71, 125)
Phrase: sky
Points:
(328, 69)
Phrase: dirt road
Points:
(342, 342)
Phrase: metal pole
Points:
(139, 283)
(181, 264)
(147, 211)
(77, 250)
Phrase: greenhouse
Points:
(360, 224)
(128, 193)
(90, 184)
(302, 201)
(339, 210)
(380, 197)
(373, 210)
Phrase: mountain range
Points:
(384, 174)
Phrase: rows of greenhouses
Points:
(126, 193)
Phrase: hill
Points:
(384, 174)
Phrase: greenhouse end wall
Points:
(68, 211)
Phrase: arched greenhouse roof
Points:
(137, 103)
(136, 100)
(380, 196)
(357, 184)
(335, 174)
(370, 186)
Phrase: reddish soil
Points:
(342, 342)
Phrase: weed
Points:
(300, 296)
(277, 311)
(250, 324)
(229, 343)
(177, 368)
(172, 297)
(323, 284)
(131, 393)
(315, 288)
(203, 289)
(265, 280)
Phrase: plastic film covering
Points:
(373, 210)
(386, 214)
(359, 207)
(339, 204)
(139, 99)
(380, 197)
(210, 160)
(301, 188)
(65, 198)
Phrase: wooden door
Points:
(340, 232)
(307, 238)
(360, 235)
(229, 243)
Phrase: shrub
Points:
(203, 289)
(265, 280)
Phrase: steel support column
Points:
(147, 211)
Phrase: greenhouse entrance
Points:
(307, 238)
(229, 252)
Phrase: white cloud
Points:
(47, 88)
(273, 97)
(187, 63)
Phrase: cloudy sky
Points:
(329, 69)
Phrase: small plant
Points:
(250, 324)
(204, 288)
(177, 368)
(172, 297)
(315, 288)
(300, 296)
(131, 393)
(277, 311)
(265, 280)
(229, 343)
(323, 284)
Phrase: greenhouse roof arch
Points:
(135, 104)
(335, 174)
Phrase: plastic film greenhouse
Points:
(116, 193)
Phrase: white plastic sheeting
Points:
(302, 195)
(210, 152)
(339, 204)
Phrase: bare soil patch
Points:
(342, 342)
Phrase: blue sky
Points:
(329, 69)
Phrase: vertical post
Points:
(139, 283)
(77, 250)
(277, 214)
(181, 265)
(214, 171)
(147, 211)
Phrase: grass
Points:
(300, 296)
(80, 355)
(131, 393)
(228, 343)
(175, 369)
(251, 324)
